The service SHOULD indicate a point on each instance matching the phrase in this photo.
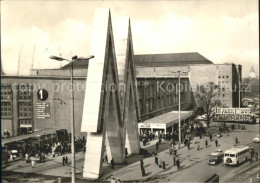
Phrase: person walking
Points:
(63, 160)
(112, 163)
(33, 163)
(141, 162)
(236, 140)
(174, 160)
(178, 164)
(216, 142)
(188, 145)
(210, 137)
(26, 157)
(156, 159)
(206, 143)
(66, 160)
(143, 171)
(159, 162)
(157, 145)
(106, 160)
(256, 156)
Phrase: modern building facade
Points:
(22, 109)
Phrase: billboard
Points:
(232, 114)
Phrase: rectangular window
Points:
(6, 109)
(25, 109)
(25, 92)
(6, 92)
(227, 76)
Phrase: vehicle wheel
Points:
(237, 163)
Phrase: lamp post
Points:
(73, 164)
(179, 91)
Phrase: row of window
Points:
(152, 104)
(6, 109)
(24, 108)
(223, 76)
(25, 122)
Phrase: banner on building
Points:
(232, 114)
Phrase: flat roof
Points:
(169, 118)
(22, 137)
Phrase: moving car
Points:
(256, 139)
(218, 152)
(215, 159)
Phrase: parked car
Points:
(256, 139)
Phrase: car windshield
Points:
(232, 155)
(226, 155)
(213, 157)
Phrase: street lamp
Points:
(179, 91)
(72, 109)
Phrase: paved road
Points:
(193, 162)
(201, 171)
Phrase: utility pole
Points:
(179, 91)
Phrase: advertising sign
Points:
(232, 114)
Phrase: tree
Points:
(206, 96)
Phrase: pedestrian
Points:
(143, 171)
(157, 145)
(66, 159)
(33, 163)
(126, 152)
(26, 157)
(188, 145)
(112, 163)
(198, 147)
(178, 164)
(174, 160)
(256, 156)
(236, 140)
(163, 164)
(156, 160)
(200, 135)
(106, 160)
(210, 137)
(159, 162)
(175, 152)
(141, 162)
(63, 160)
(206, 143)
(216, 142)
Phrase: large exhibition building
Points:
(42, 99)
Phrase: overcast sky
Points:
(222, 31)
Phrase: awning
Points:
(165, 120)
(21, 137)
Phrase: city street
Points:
(194, 166)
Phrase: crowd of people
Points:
(37, 151)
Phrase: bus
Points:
(236, 155)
